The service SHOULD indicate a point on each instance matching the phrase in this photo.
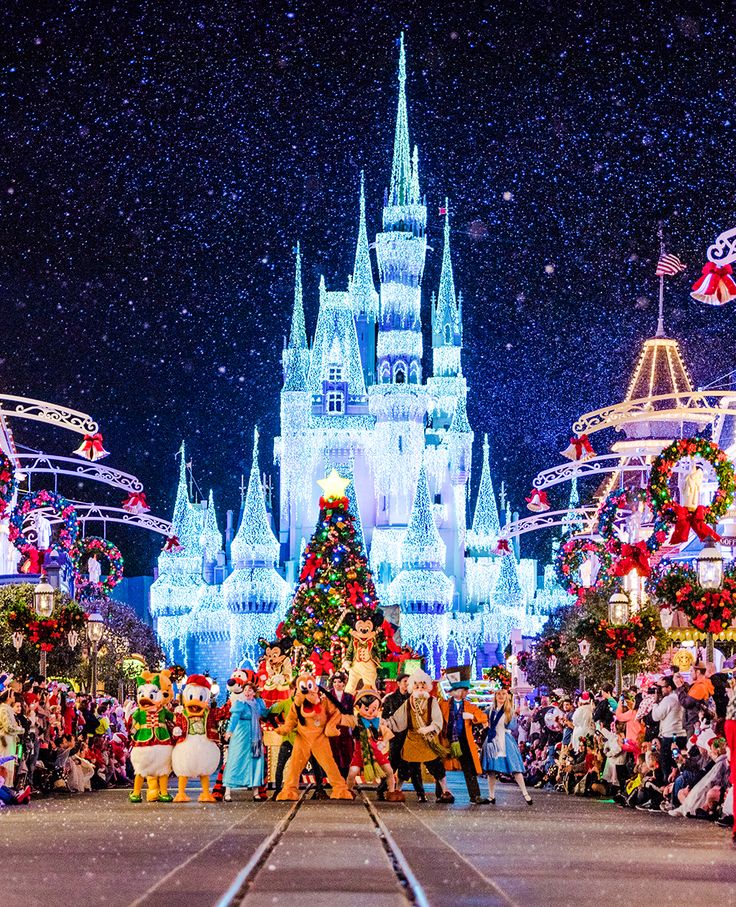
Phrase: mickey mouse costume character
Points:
(370, 759)
(361, 659)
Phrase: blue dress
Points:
(245, 760)
(500, 750)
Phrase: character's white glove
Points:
(177, 732)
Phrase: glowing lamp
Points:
(43, 598)
(709, 564)
(619, 608)
(95, 628)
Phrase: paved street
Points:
(97, 849)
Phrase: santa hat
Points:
(585, 697)
(419, 676)
(199, 680)
(537, 501)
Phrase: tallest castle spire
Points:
(401, 175)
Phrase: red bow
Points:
(91, 448)
(136, 502)
(716, 286)
(685, 520)
(503, 547)
(355, 591)
(322, 662)
(633, 557)
(310, 567)
(538, 498)
(173, 545)
(582, 444)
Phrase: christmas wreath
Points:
(45, 633)
(8, 481)
(499, 677)
(523, 660)
(570, 559)
(628, 557)
(702, 519)
(93, 544)
(62, 509)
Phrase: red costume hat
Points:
(199, 680)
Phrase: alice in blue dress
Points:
(245, 759)
(500, 750)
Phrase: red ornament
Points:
(91, 448)
(715, 286)
(136, 503)
(173, 545)
(633, 557)
(685, 520)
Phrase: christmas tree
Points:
(334, 580)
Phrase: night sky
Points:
(160, 160)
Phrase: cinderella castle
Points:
(357, 400)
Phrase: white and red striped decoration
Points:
(668, 265)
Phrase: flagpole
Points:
(660, 320)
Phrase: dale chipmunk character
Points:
(149, 727)
(362, 659)
(314, 719)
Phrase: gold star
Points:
(333, 486)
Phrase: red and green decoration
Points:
(63, 515)
(570, 558)
(710, 611)
(702, 519)
(666, 579)
(498, 676)
(104, 551)
(46, 633)
(334, 581)
(8, 482)
(628, 557)
(624, 640)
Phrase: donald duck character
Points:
(149, 729)
(196, 748)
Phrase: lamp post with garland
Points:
(43, 603)
(619, 609)
(709, 566)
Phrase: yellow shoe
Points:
(182, 798)
(206, 798)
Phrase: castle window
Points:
(414, 373)
(334, 372)
(335, 402)
(385, 373)
(400, 373)
(447, 333)
(438, 499)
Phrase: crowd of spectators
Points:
(660, 746)
(54, 740)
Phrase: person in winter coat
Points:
(582, 721)
(459, 716)
(694, 698)
(626, 713)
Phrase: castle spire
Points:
(180, 518)
(422, 546)
(211, 536)
(362, 288)
(401, 175)
(254, 543)
(486, 525)
(414, 195)
(298, 336)
(446, 299)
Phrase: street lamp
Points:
(619, 608)
(43, 603)
(95, 632)
(709, 566)
(584, 647)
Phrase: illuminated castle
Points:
(357, 401)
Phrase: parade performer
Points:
(315, 719)
(460, 716)
(370, 746)
(149, 728)
(421, 718)
(361, 659)
(196, 739)
(500, 752)
(245, 756)
(342, 745)
(275, 672)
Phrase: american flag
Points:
(669, 264)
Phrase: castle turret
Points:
(254, 593)
(175, 591)
(447, 329)
(422, 591)
(295, 358)
(364, 296)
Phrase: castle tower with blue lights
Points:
(356, 400)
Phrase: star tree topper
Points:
(333, 486)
